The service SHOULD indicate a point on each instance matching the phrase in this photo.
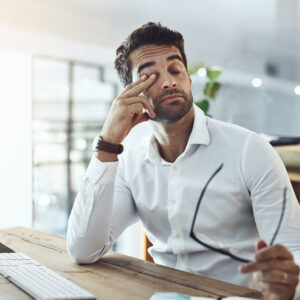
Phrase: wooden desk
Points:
(115, 276)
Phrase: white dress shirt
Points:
(241, 204)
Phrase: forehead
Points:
(151, 53)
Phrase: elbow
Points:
(84, 250)
(82, 257)
(82, 260)
(77, 249)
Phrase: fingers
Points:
(274, 269)
(275, 276)
(142, 100)
(276, 291)
(141, 118)
(127, 110)
(276, 284)
(137, 87)
(275, 264)
(133, 84)
(138, 116)
(261, 244)
(275, 251)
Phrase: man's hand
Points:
(127, 111)
(276, 272)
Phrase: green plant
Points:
(212, 86)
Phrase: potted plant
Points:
(212, 86)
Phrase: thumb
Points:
(141, 118)
(261, 244)
(144, 117)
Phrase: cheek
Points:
(187, 83)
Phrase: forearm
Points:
(89, 226)
(106, 156)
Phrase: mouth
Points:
(171, 98)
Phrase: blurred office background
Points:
(57, 82)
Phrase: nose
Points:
(168, 82)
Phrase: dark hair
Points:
(149, 33)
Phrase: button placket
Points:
(177, 235)
(173, 201)
(172, 187)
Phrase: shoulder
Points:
(226, 127)
(228, 133)
(239, 141)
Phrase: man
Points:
(237, 176)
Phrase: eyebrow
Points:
(152, 63)
(176, 56)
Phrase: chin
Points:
(173, 112)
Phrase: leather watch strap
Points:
(109, 147)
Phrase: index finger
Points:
(271, 252)
(139, 86)
(275, 264)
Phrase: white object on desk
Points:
(37, 280)
(178, 296)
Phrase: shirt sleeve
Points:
(102, 210)
(266, 178)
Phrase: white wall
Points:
(32, 42)
(15, 133)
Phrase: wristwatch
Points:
(109, 147)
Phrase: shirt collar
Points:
(199, 136)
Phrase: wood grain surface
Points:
(115, 276)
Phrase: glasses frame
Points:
(222, 250)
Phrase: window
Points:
(70, 102)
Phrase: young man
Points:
(240, 182)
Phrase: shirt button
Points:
(182, 256)
(173, 201)
(174, 168)
(177, 235)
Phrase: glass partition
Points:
(70, 102)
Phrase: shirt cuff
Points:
(97, 169)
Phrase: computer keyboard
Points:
(37, 280)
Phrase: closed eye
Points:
(175, 69)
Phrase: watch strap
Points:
(109, 147)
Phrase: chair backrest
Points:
(145, 245)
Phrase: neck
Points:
(172, 138)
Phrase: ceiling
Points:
(231, 33)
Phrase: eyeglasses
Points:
(215, 246)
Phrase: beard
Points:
(172, 112)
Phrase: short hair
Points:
(149, 33)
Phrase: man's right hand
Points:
(126, 112)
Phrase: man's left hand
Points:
(276, 272)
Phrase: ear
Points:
(190, 80)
